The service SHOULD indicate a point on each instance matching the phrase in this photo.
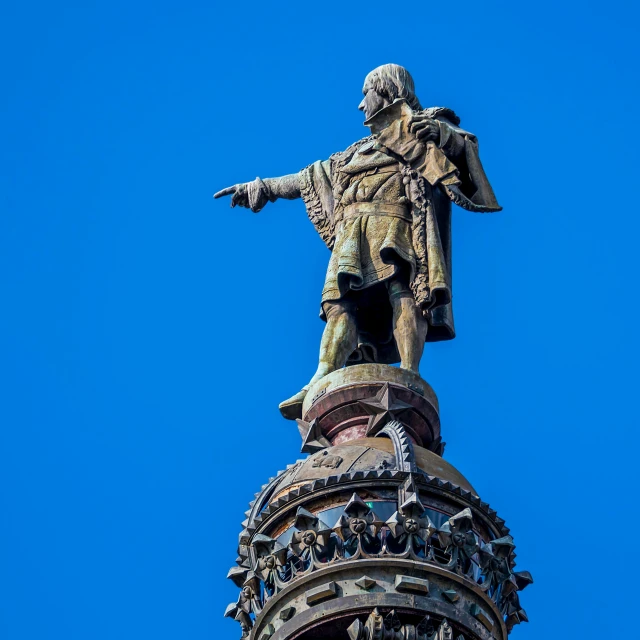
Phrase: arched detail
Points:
(402, 446)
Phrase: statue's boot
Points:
(291, 409)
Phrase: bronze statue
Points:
(383, 207)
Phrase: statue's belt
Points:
(377, 209)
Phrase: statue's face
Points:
(372, 102)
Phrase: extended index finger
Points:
(225, 192)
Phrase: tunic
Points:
(373, 235)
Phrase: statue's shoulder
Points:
(442, 112)
(342, 157)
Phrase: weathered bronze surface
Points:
(371, 532)
(383, 207)
(374, 536)
(356, 401)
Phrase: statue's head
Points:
(385, 84)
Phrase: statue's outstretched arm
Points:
(287, 187)
(254, 195)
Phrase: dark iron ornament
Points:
(409, 526)
(358, 533)
(459, 541)
(391, 627)
(383, 408)
(311, 543)
(357, 530)
(270, 567)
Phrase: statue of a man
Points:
(383, 207)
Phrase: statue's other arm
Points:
(254, 195)
(461, 148)
(442, 132)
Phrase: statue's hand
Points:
(238, 195)
(251, 195)
(424, 128)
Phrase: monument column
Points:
(374, 535)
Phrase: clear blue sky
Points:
(148, 332)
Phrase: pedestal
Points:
(374, 536)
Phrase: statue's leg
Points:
(409, 325)
(339, 341)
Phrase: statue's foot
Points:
(291, 409)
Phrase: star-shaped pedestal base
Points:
(383, 407)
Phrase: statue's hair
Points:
(392, 82)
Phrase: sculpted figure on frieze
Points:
(383, 208)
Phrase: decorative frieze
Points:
(360, 534)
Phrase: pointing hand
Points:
(238, 195)
(252, 195)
